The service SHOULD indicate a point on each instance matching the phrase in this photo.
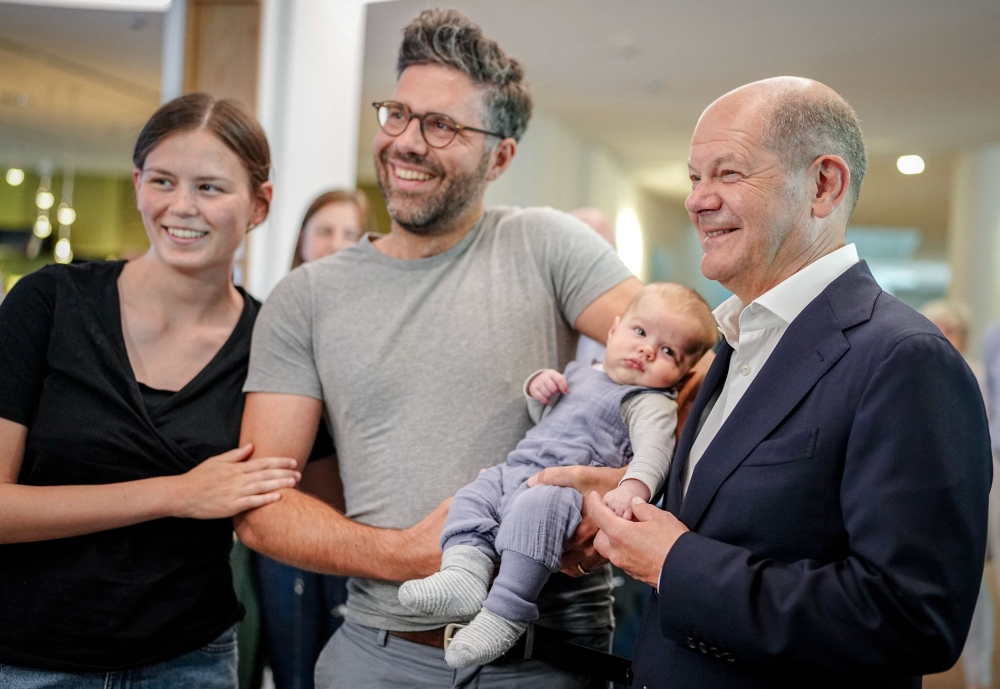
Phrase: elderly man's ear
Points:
(830, 177)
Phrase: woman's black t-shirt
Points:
(139, 594)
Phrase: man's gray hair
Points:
(800, 127)
(449, 38)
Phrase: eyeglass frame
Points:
(459, 128)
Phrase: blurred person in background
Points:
(335, 220)
(300, 610)
(953, 319)
(120, 403)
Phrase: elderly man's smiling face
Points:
(744, 203)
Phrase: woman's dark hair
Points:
(325, 199)
(227, 119)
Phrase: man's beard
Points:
(438, 210)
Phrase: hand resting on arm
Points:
(219, 487)
(305, 532)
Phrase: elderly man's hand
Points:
(579, 555)
(639, 547)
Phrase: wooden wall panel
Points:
(223, 49)
(222, 58)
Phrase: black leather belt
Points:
(551, 646)
(429, 637)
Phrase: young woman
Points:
(120, 403)
(299, 609)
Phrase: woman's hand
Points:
(227, 484)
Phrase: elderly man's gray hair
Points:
(800, 127)
(448, 37)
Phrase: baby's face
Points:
(650, 346)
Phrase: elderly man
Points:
(826, 509)
(416, 346)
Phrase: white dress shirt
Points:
(754, 331)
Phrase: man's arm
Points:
(595, 321)
(308, 533)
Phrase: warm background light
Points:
(65, 215)
(43, 227)
(628, 234)
(44, 200)
(63, 251)
(15, 176)
(910, 165)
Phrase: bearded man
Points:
(415, 345)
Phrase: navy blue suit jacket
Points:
(838, 518)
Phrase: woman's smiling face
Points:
(194, 196)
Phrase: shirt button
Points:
(745, 369)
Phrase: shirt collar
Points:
(787, 299)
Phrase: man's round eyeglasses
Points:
(438, 130)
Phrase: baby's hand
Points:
(620, 499)
(546, 384)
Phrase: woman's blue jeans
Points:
(212, 666)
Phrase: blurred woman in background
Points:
(120, 402)
(301, 610)
(335, 220)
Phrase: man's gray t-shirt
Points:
(420, 365)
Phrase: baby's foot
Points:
(458, 590)
(486, 638)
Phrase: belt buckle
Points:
(449, 632)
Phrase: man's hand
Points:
(639, 547)
(423, 543)
(579, 553)
(546, 384)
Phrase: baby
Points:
(600, 415)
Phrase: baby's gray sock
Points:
(486, 638)
(458, 590)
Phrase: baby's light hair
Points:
(686, 301)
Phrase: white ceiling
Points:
(76, 86)
(923, 75)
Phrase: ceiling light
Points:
(910, 165)
(629, 237)
(15, 176)
(44, 199)
(43, 228)
(63, 251)
(65, 215)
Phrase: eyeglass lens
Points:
(438, 130)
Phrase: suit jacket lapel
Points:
(713, 382)
(813, 343)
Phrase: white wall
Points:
(974, 237)
(309, 91)
(554, 166)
